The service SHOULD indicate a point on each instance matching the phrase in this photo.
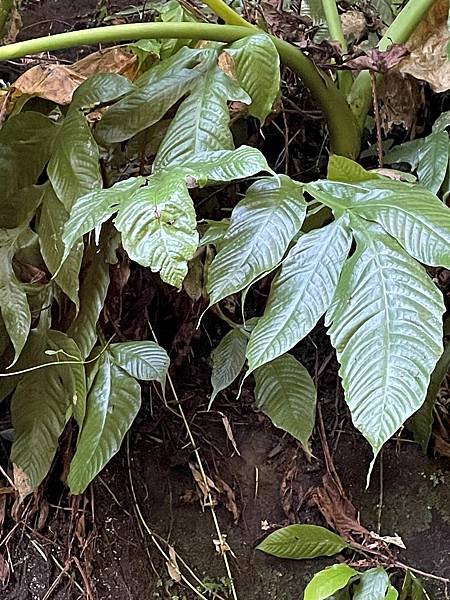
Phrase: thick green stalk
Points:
(337, 34)
(399, 32)
(344, 134)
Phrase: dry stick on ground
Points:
(376, 112)
(222, 545)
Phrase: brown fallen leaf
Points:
(112, 60)
(206, 487)
(229, 432)
(354, 24)
(400, 97)
(230, 502)
(441, 446)
(337, 509)
(428, 59)
(4, 571)
(56, 83)
(22, 482)
(376, 60)
(172, 566)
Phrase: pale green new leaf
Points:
(261, 227)
(392, 593)
(225, 165)
(386, 326)
(341, 168)
(286, 393)
(428, 157)
(142, 360)
(93, 289)
(373, 585)
(228, 360)
(156, 90)
(325, 583)
(112, 404)
(302, 541)
(202, 121)
(159, 228)
(52, 218)
(13, 299)
(93, 209)
(257, 68)
(414, 216)
(74, 168)
(301, 292)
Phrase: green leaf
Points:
(13, 299)
(343, 169)
(392, 593)
(257, 66)
(428, 156)
(41, 404)
(215, 233)
(261, 227)
(286, 393)
(301, 292)
(93, 289)
(228, 360)
(159, 228)
(386, 326)
(413, 589)
(100, 88)
(414, 216)
(202, 121)
(173, 12)
(327, 582)
(53, 216)
(92, 210)
(225, 165)
(373, 585)
(142, 360)
(112, 404)
(18, 207)
(302, 541)
(26, 140)
(74, 168)
(157, 90)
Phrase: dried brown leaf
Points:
(56, 83)
(428, 59)
(22, 482)
(354, 24)
(441, 446)
(230, 502)
(400, 98)
(112, 60)
(229, 432)
(376, 60)
(172, 566)
(338, 511)
(206, 486)
(4, 571)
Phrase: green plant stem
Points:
(344, 133)
(337, 34)
(399, 32)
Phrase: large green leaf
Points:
(159, 228)
(52, 218)
(142, 360)
(157, 90)
(13, 299)
(325, 583)
(428, 157)
(261, 227)
(215, 232)
(26, 142)
(112, 404)
(41, 405)
(74, 168)
(173, 12)
(286, 393)
(302, 541)
(228, 359)
(92, 210)
(202, 121)
(301, 292)
(410, 213)
(373, 585)
(18, 207)
(257, 67)
(386, 326)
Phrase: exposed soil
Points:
(99, 543)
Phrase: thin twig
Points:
(376, 112)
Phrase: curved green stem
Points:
(399, 32)
(337, 34)
(344, 134)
